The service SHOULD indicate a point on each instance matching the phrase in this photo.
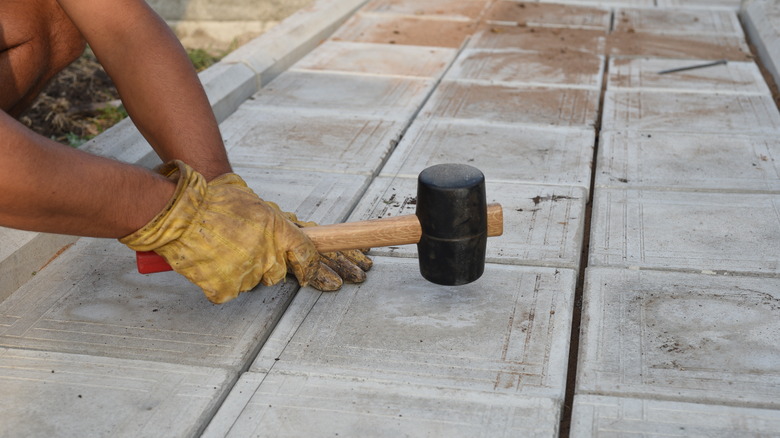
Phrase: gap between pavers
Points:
(68, 395)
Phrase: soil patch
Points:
(78, 104)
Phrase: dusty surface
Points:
(549, 14)
(538, 39)
(406, 30)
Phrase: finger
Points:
(359, 258)
(325, 279)
(349, 271)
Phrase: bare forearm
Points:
(45, 186)
(158, 84)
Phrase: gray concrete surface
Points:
(667, 183)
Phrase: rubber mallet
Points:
(450, 227)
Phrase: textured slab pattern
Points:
(505, 333)
(708, 231)
(503, 152)
(688, 161)
(690, 112)
(684, 337)
(734, 77)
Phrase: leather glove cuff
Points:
(179, 214)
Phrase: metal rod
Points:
(692, 67)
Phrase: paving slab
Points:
(91, 300)
(263, 136)
(690, 113)
(685, 46)
(568, 69)
(543, 225)
(68, 395)
(711, 162)
(465, 10)
(406, 30)
(553, 15)
(314, 405)
(597, 416)
(733, 232)
(680, 337)
(544, 40)
(644, 74)
(503, 152)
(536, 106)
(678, 21)
(506, 333)
(378, 59)
(396, 98)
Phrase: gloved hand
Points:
(350, 265)
(225, 239)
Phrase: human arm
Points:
(155, 79)
(46, 186)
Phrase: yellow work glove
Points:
(225, 239)
(350, 265)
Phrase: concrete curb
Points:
(761, 19)
(227, 83)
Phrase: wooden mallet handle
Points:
(376, 233)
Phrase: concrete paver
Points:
(503, 152)
(544, 223)
(550, 15)
(264, 136)
(509, 104)
(535, 39)
(407, 30)
(678, 21)
(384, 359)
(529, 68)
(687, 46)
(643, 74)
(391, 97)
(734, 232)
(681, 337)
(681, 161)
(599, 416)
(443, 336)
(66, 395)
(690, 112)
(378, 59)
